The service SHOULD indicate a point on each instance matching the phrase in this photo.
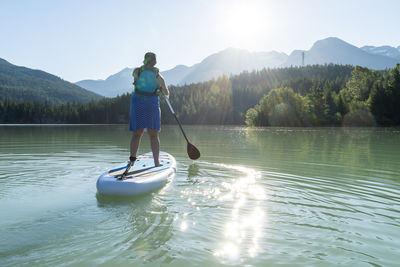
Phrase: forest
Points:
(318, 95)
(366, 98)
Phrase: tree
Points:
(281, 107)
(361, 82)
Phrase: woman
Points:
(145, 114)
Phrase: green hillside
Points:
(24, 84)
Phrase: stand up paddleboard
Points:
(143, 177)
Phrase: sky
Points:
(93, 39)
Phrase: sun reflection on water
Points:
(239, 196)
(242, 231)
(184, 226)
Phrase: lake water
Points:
(256, 197)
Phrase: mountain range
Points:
(233, 61)
(226, 62)
(25, 84)
(385, 50)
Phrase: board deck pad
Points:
(143, 166)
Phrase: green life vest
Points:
(146, 81)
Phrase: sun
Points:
(244, 20)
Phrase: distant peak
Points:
(233, 50)
(331, 40)
(334, 38)
(181, 66)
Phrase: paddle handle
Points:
(169, 105)
(176, 118)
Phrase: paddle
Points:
(192, 151)
(128, 167)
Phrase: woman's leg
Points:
(135, 141)
(155, 145)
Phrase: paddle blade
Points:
(192, 151)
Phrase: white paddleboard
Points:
(143, 176)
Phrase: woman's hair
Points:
(149, 56)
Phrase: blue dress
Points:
(144, 112)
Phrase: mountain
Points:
(387, 51)
(226, 62)
(24, 84)
(337, 51)
(233, 61)
(175, 75)
(114, 85)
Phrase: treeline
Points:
(226, 101)
(107, 110)
(318, 95)
(368, 98)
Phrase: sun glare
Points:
(245, 21)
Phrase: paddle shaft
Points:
(176, 118)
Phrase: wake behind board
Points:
(143, 177)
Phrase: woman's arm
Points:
(135, 74)
(163, 86)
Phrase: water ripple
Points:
(267, 197)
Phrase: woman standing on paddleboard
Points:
(145, 113)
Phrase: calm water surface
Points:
(256, 197)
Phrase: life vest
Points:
(146, 81)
